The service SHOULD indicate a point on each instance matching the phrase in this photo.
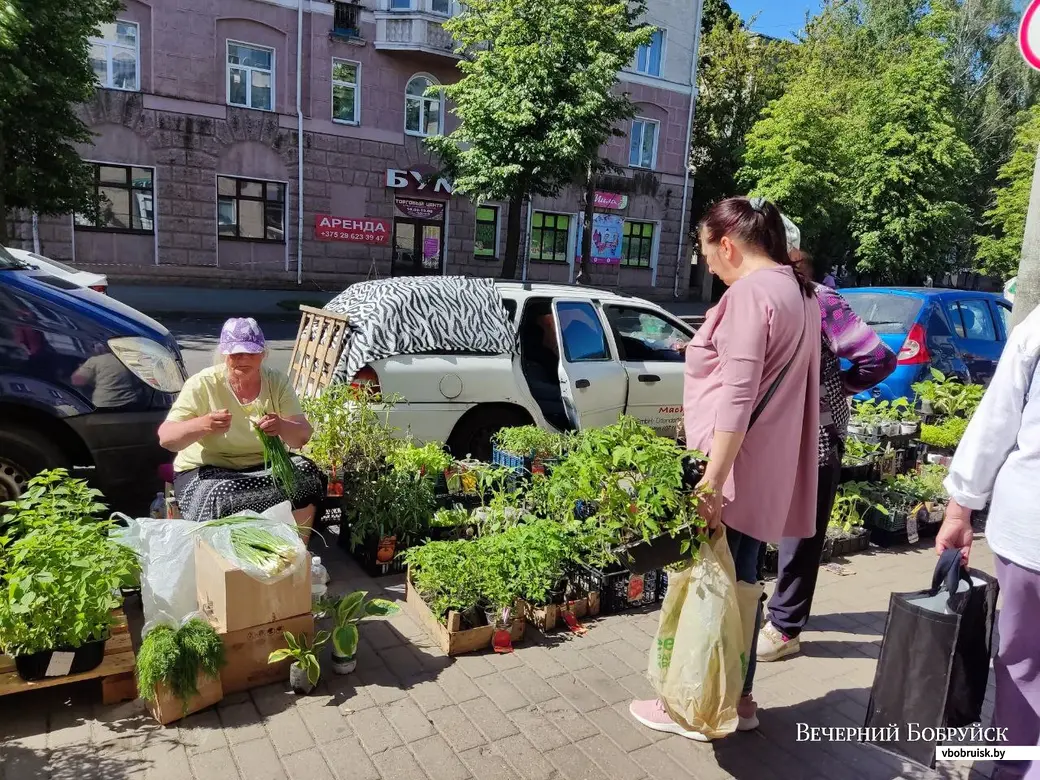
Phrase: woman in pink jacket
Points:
(751, 402)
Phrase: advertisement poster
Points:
(611, 200)
(420, 209)
(606, 239)
(364, 230)
(431, 247)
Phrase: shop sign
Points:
(431, 247)
(611, 200)
(358, 231)
(606, 238)
(420, 209)
(420, 182)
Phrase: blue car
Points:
(959, 332)
(85, 382)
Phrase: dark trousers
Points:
(799, 559)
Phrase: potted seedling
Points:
(346, 614)
(909, 420)
(305, 670)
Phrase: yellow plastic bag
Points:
(699, 655)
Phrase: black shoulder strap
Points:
(776, 382)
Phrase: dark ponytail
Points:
(758, 223)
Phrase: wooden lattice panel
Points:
(316, 352)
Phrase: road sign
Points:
(1029, 34)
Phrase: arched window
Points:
(422, 111)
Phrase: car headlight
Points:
(149, 361)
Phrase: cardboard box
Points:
(247, 650)
(232, 600)
(167, 708)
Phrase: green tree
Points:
(739, 73)
(45, 74)
(538, 98)
(1000, 247)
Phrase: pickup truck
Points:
(582, 357)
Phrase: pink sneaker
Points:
(747, 714)
(652, 714)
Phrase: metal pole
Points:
(680, 255)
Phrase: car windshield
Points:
(9, 262)
(885, 312)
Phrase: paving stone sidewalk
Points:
(556, 709)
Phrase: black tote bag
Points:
(934, 662)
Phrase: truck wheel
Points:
(472, 434)
(25, 454)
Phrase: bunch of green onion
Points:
(277, 459)
(257, 546)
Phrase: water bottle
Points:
(158, 508)
(319, 584)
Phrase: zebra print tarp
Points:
(412, 315)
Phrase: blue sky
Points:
(779, 18)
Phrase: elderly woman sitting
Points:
(219, 468)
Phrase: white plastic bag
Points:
(279, 521)
(167, 552)
(699, 655)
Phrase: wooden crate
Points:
(116, 671)
(550, 617)
(452, 638)
(316, 352)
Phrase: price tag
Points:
(573, 624)
(60, 664)
(913, 534)
(501, 641)
(635, 587)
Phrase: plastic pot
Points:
(344, 664)
(908, 428)
(298, 680)
(85, 658)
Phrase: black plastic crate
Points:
(367, 556)
(619, 589)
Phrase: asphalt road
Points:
(199, 339)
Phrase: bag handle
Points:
(949, 571)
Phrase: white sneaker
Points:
(772, 645)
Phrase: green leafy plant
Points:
(453, 517)
(176, 658)
(60, 584)
(924, 485)
(530, 441)
(304, 653)
(352, 431)
(850, 505)
(945, 435)
(429, 460)
(446, 574)
(949, 397)
(858, 452)
(394, 503)
(350, 610)
(51, 497)
(904, 411)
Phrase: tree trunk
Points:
(516, 205)
(1027, 296)
(586, 236)
(3, 194)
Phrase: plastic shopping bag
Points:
(167, 553)
(279, 522)
(700, 652)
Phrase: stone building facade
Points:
(198, 156)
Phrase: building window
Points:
(124, 194)
(485, 246)
(422, 112)
(400, 5)
(642, 149)
(250, 76)
(115, 56)
(550, 234)
(346, 19)
(249, 209)
(637, 244)
(346, 92)
(441, 7)
(648, 58)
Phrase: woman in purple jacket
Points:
(845, 336)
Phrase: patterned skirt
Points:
(211, 492)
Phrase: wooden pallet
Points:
(316, 352)
(116, 671)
